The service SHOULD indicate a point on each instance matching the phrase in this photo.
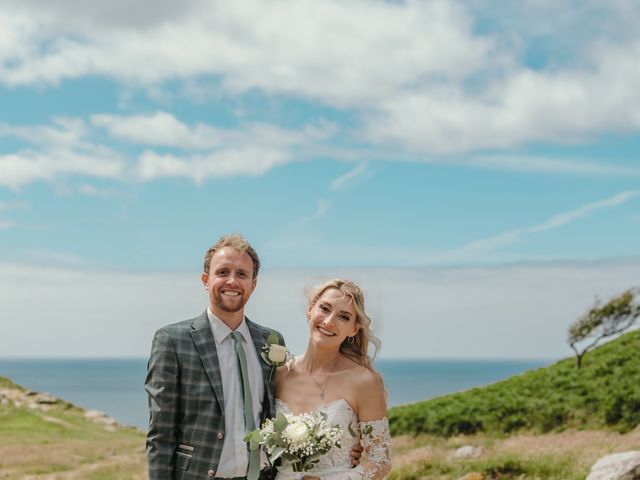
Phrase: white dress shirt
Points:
(234, 458)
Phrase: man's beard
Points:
(236, 307)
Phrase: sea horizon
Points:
(115, 385)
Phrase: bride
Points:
(336, 376)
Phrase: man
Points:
(196, 381)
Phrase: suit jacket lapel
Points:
(206, 346)
(259, 337)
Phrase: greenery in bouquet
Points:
(298, 440)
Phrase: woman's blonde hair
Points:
(356, 347)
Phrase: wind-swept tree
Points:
(602, 321)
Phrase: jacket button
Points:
(220, 435)
(211, 473)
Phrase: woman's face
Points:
(332, 318)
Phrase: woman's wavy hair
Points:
(358, 349)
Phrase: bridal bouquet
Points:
(299, 440)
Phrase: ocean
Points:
(116, 386)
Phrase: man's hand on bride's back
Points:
(356, 453)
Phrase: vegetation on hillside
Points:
(604, 393)
(57, 440)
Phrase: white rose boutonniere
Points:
(275, 354)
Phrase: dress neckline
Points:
(317, 407)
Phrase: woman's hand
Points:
(356, 453)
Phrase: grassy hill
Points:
(582, 413)
(42, 437)
(604, 393)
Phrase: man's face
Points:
(229, 282)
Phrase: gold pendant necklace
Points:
(321, 387)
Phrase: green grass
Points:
(7, 383)
(604, 393)
(497, 467)
(61, 441)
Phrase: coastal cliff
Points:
(46, 438)
(553, 423)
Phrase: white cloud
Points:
(54, 257)
(17, 170)
(4, 224)
(471, 249)
(96, 191)
(67, 147)
(430, 77)
(159, 129)
(301, 224)
(350, 178)
(4, 206)
(224, 163)
(538, 164)
(524, 105)
(503, 312)
(317, 49)
(58, 150)
(164, 129)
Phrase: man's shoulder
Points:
(180, 328)
(264, 331)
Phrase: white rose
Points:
(296, 430)
(277, 353)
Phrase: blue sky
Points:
(345, 137)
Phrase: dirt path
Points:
(127, 463)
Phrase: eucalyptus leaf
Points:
(280, 423)
(273, 338)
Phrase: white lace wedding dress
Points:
(375, 463)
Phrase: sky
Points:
(472, 164)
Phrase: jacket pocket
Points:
(182, 460)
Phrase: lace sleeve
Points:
(375, 463)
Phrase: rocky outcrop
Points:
(45, 402)
(467, 451)
(618, 466)
(28, 398)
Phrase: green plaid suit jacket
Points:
(184, 388)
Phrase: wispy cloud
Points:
(54, 257)
(350, 178)
(538, 164)
(96, 191)
(60, 149)
(513, 236)
(322, 208)
(71, 146)
(4, 206)
(221, 164)
(4, 224)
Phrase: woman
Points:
(336, 376)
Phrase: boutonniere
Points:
(275, 354)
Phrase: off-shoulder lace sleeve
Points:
(375, 463)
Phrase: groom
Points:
(206, 382)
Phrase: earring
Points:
(350, 340)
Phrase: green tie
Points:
(249, 422)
